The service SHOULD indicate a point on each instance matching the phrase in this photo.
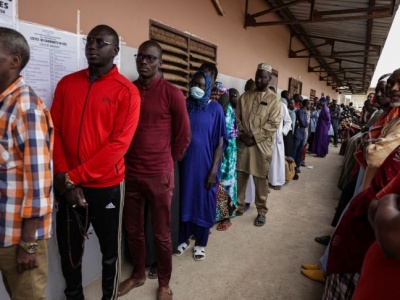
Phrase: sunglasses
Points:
(100, 43)
(149, 58)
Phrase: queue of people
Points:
(111, 174)
(361, 258)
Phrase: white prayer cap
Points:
(265, 67)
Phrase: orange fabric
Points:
(26, 145)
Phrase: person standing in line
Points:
(276, 173)
(285, 97)
(161, 139)
(259, 114)
(321, 138)
(233, 97)
(95, 113)
(249, 86)
(200, 170)
(298, 100)
(304, 152)
(335, 116)
(227, 189)
(289, 138)
(300, 133)
(313, 125)
(26, 145)
(219, 93)
(383, 257)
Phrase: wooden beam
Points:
(323, 20)
(218, 7)
(336, 40)
(268, 11)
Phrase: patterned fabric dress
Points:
(227, 188)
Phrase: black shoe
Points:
(295, 177)
(303, 164)
(323, 240)
(297, 170)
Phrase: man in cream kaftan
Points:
(276, 174)
(259, 116)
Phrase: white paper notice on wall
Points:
(8, 13)
(53, 55)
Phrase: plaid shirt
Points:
(26, 145)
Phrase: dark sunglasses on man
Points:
(149, 58)
(99, 42)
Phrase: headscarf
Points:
(193, 104)
(323, 99)
(221, 87)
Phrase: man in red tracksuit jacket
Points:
(95, 114)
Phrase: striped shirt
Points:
(26, 145)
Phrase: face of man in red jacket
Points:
(101, 47)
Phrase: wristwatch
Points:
(29, 247)
(68, 182)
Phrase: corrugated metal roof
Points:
(345, 37)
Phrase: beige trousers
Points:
(261, 187)
(29, 284)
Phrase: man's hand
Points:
(251, 142)
(211, 180)
(76, 197)
(26, 261)
(244, 136)
(289, 159)
(59, 183)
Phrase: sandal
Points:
(153, 274)
(199, 253)
(259, 221)
(126, 286)
(224, 226)
(182, 248)
(164, 295)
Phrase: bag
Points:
(289, 170)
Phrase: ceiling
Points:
(341, 39)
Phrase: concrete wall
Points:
(239, 49)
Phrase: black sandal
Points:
(259, 221)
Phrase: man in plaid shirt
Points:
(26, 141)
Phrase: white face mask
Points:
(196, 92)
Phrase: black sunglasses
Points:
(100, 43)
(149, 58)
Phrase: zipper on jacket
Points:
(80, 125)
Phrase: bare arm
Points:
(386, 223)
(212, 175)
(25, 260)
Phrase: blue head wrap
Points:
(193, 104)
(323, 99)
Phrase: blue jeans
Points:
(298, 151)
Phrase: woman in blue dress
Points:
(199, 171)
